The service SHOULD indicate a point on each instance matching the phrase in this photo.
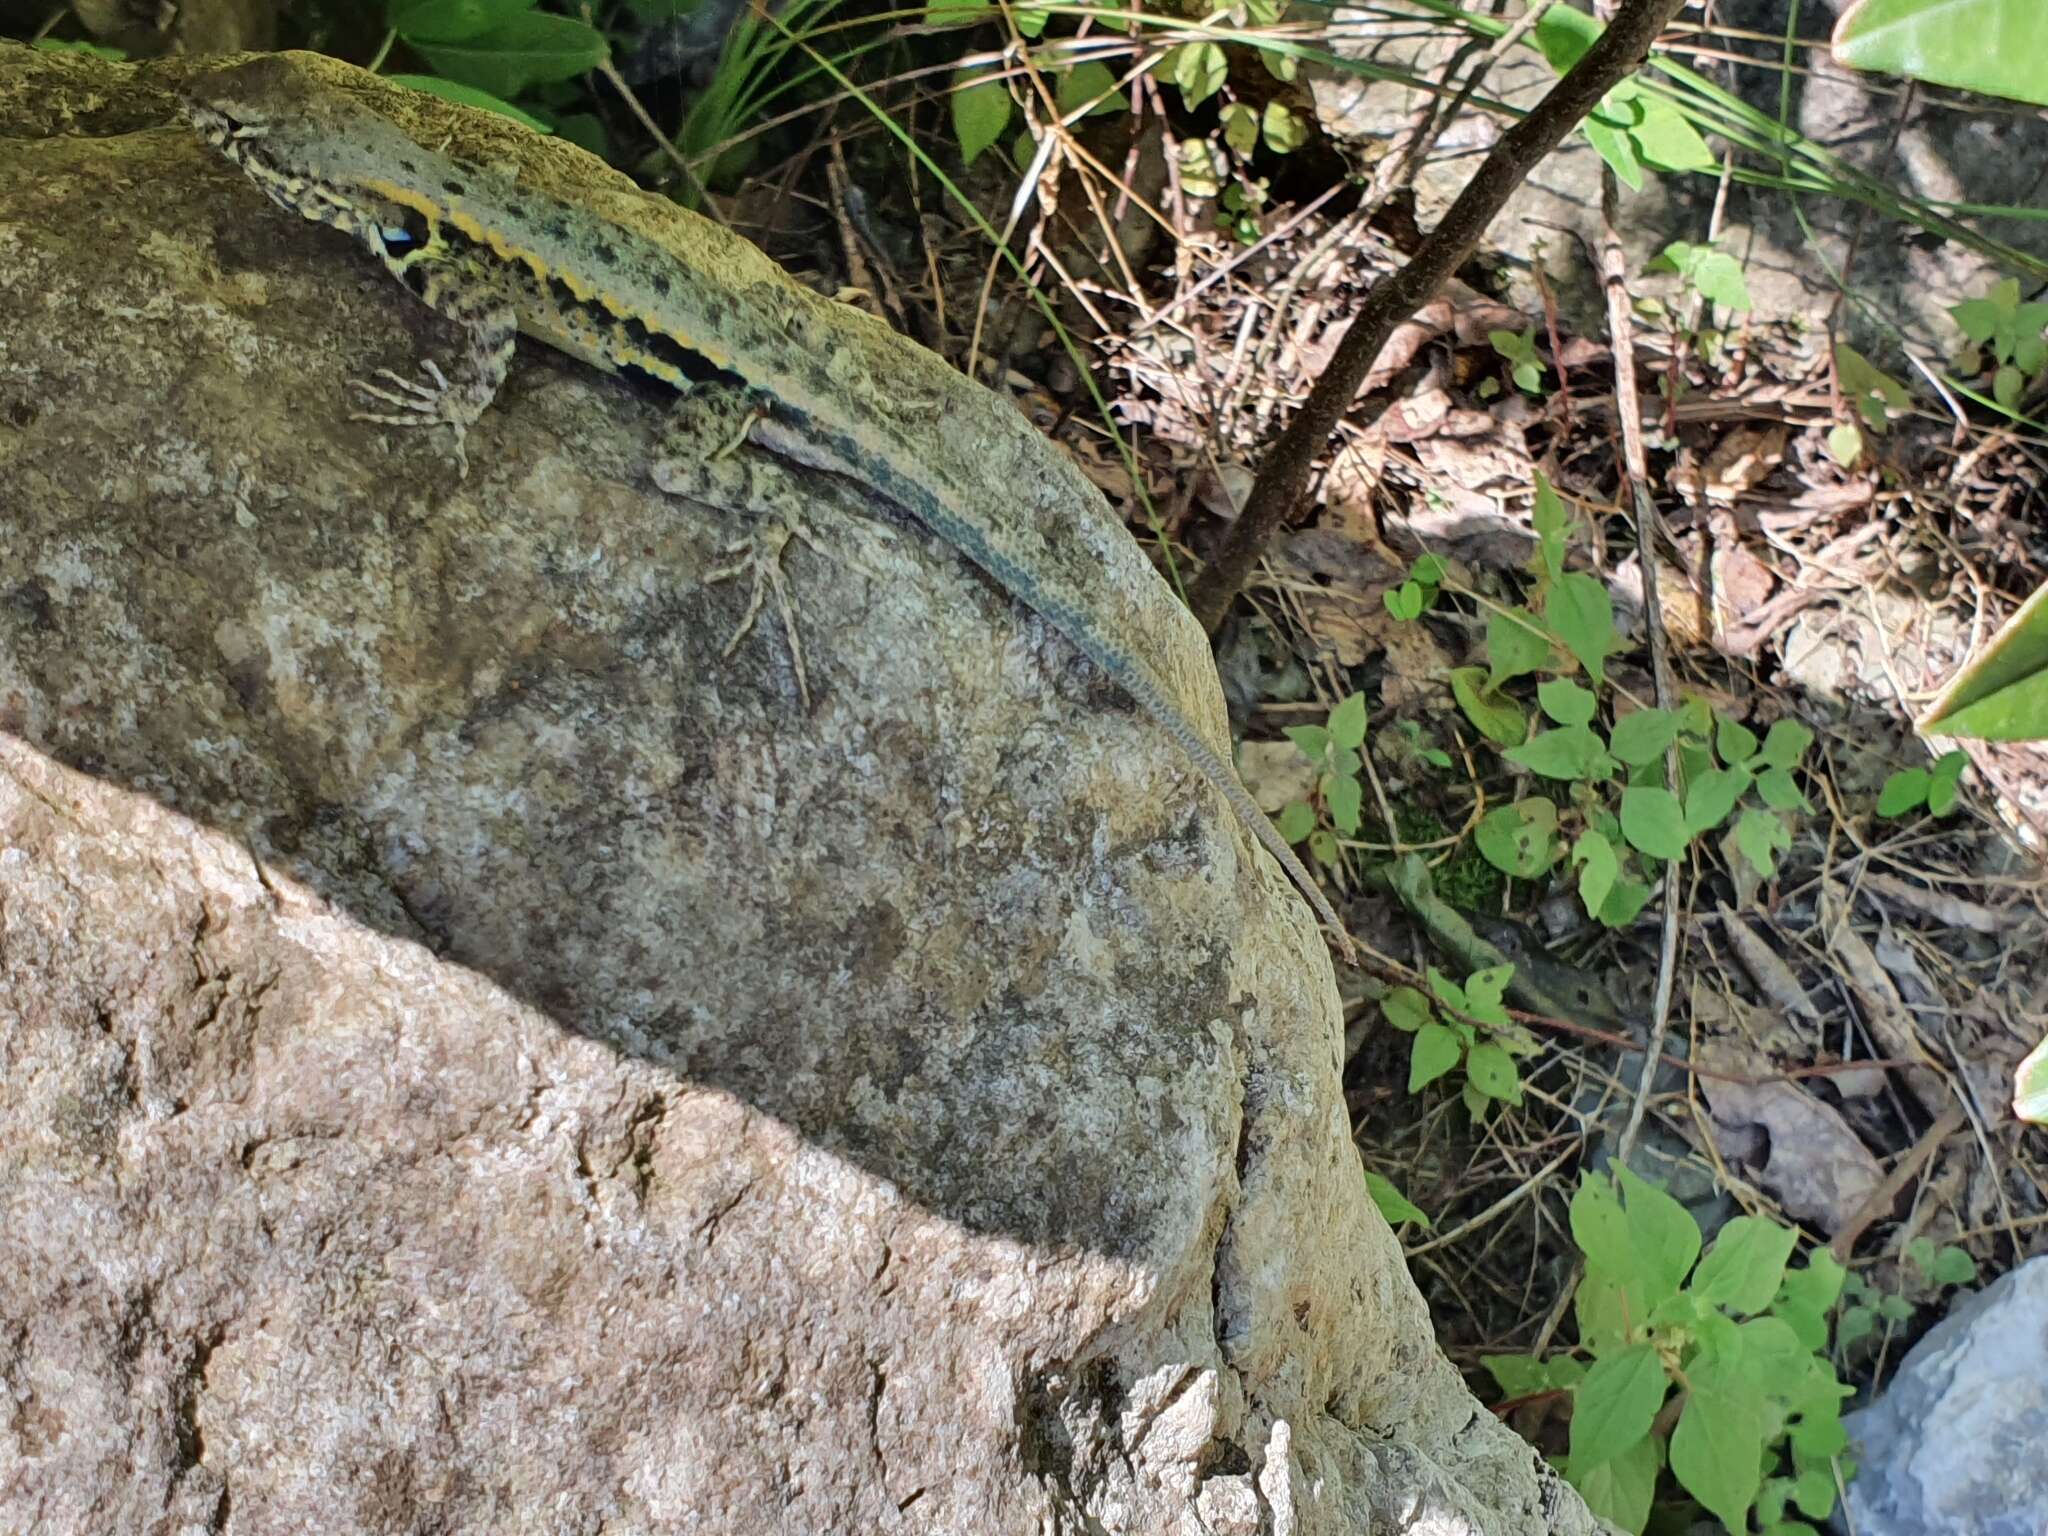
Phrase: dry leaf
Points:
(1817, 1168)
(1773, 976)
(1952, 910)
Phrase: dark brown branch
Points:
(1285, 476)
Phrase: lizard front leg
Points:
(479, 298)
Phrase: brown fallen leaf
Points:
(1818, 1169)
(1943, 908)
(1885, 1013)
(1774, 978)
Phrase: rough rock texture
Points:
(1953, 1448)
(472, 1061)
(1979, 153)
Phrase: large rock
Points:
(474, 1060)
(1953, 1447)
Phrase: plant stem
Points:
(1285, 476)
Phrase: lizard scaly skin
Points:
(665, 295)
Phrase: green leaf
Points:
(1814, 1492)
(1313, 740)
(981, 111)
(469, 96)
(1517, 1375)
(1652, 821)
(1569, 752)
(1498, 718)
(1406, 1009)
(1625, 902)
(1347, 721)
(1563, 34)
(1904, 791)
(957, 13)
(1283, 129)
(1646, 1248)
(1519, 839)
(1437, 1050)
(2003, 694)
(1874, 392)
(1943, 787)
(1583, 616)
(1484, 990)
(1565, 701)
(1711, 796)
(1447, 991)
(1492, 1071)
(1735, 741)
(1762, 836)
(1952, 1266)
(456, 21)
(1641, 737)
(1742, 1272)
(522, 51)
(1404, 602)
(1717, 1448)
(1297, 820)
(1717, 275)
(1241, 133)
(1345, 798)
(1807, 1295)
(1992, 46)
(1616, 1404)
(1199, 69)
(1620, 1488)
(1394, 1205)
(1429, 569)
(1515, 645)
(1784, 745)
(1090, 84)
(1593, 856)
(1779, 791)
(1845, 444)
(1605, 131)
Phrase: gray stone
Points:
(1955, 1445)
(476, 1061)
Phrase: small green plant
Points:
(1413, 597)
(1935, 789)
(1615, 814)
(1463, 1025)
(1333, 747)
(1713, 276)
(1928, 1270)
(1518, 350)
(2009, 333)
(1739, 1337)
(1214, 165)
(1871, 393)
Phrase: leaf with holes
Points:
(1518, 839)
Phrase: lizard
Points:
(672, 297)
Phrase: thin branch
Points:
(1284, 479)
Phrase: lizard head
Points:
(312, 148)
